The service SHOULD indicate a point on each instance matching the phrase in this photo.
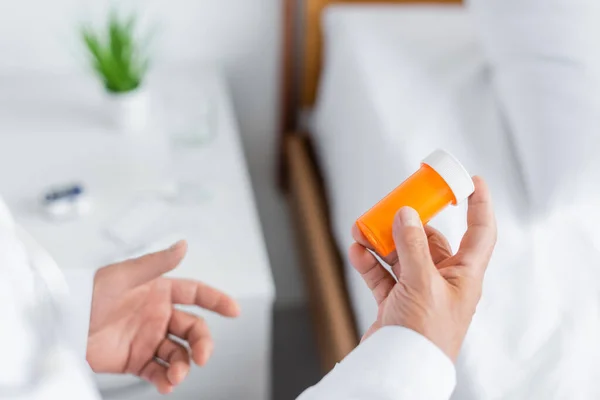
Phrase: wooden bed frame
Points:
(299, 175)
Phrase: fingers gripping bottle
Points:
(440, 181)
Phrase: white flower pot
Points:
(131, 111)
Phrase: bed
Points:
(363, 61)
(380, 90)
(386, 82)
(391, 90)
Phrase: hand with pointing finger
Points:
(133, 316)
(432, 291)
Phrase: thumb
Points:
(411, 244)
(132, 273)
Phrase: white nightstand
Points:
(54, 130)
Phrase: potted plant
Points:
(119, 59)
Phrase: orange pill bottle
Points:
(440, 181)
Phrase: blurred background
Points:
(259, 130)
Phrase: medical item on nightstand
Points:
(66, 202)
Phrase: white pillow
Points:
(545, 58)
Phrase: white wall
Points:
(241, 35)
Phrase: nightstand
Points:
(54, 130)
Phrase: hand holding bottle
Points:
(431, 291)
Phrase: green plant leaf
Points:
(120, 60)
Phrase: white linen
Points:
(540, 307)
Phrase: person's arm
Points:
(394, 364)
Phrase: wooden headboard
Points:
(313, 41)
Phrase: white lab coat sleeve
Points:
(77, 283)
(81, 284)
(395, 363)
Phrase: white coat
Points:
(394, 363)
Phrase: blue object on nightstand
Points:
(66, 202)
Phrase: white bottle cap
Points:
(451, 171)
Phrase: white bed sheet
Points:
(393, 90)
